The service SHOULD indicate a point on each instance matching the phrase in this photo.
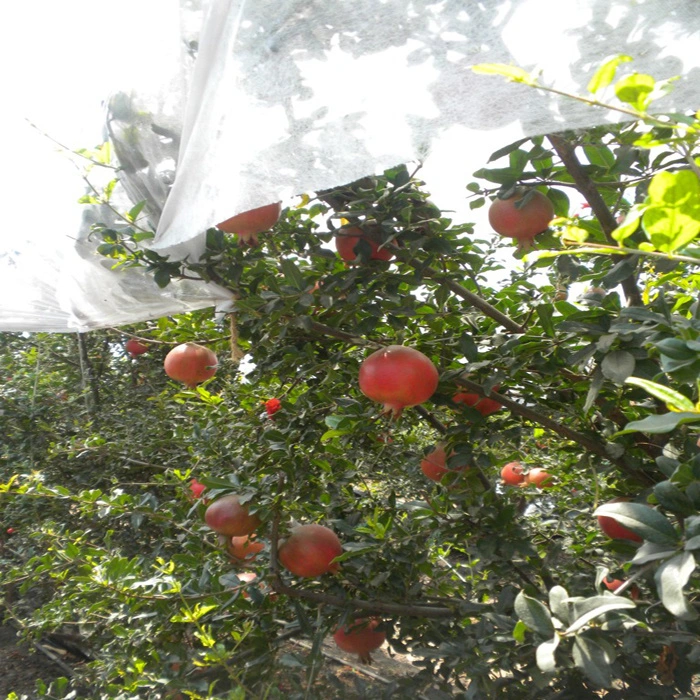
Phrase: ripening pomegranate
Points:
(197, 489)
(522, 216)
(135, 347)
(190, 364)
(614, 583)
(310, 550)
(483, 404)
(360, 638)
(347, 238)
(227, 516)
(615, 530)
(512, 474)
(244, 548)
(540, 478)
(434, 464)
(248, 224)
(398, 376)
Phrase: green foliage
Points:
(496, 591)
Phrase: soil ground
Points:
(342, 677)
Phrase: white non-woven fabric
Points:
(254, 101)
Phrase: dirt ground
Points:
(21, 666)
(341, 678)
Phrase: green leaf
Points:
(292, 273)
(558, 603)
(635, 90)
(588, 609)
(135, 210)
(546, 660)
(545, 313)
(672, 220)
(651, 551)
(673, 499)
(670, 579)
(629, 225)
(594, 658)
(513, 73)
(674, 400)
(655, 425)
(519, 631)
(643, 520)
(606, 73)
(534, 614)
(596, 385)
(618, 365)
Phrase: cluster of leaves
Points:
(492, 589)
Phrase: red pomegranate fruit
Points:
(248, 224)
(347, 238)
(434, 464)
(522, 216)
(614, 583)
(244, 548)
(360, 637)
(309, 551)
(540, 478)
(512, 474)
(615, 530)
(483, 404)
(398, 376)
(190, 364)
(196, 489)
(227, 516)
(135, 347)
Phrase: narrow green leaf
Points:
(606, 73)
(292, 273)
(534, 614)
(651, 551)
(135, 210)
(596, 385)
(674, 400)
(670, 578)
(513, 73)
(590, 608)
(655, 425)
(645, 521)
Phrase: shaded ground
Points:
(21, 666)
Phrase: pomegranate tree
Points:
(248, 224)
(228, 516)
(309, 551)
(347, 238)
(397, 377)
(360, 637)
(522, 215)
(190, 364)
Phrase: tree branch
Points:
(589, 190)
